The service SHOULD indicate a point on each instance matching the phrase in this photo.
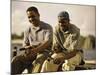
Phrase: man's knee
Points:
(41, 57)
(16, 65)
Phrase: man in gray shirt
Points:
(37, 41)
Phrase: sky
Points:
(83, 16)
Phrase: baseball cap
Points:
(63, 15)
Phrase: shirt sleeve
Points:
(57, 40)
(26, 38)
(48, 35)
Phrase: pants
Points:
(49, 66)
(31, 62)
(21, 62)
(37, 64)
(70, 64)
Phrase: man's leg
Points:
(29, 68)
(72, 62)
(37, 64)
(49, 65)
(21, 62)
(17, 65)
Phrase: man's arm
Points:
(26, 39)
(66, 57)
(71, 54)
(47, 42)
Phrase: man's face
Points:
(63, 22)
(33, 17)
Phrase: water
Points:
(88, 54)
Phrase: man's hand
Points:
(25, 48)
(71, 54)
(58, 60)
(28, 47)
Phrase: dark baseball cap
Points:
(63, 15)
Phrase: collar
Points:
(36, 28)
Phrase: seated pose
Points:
(37, 41)
(65, 46)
